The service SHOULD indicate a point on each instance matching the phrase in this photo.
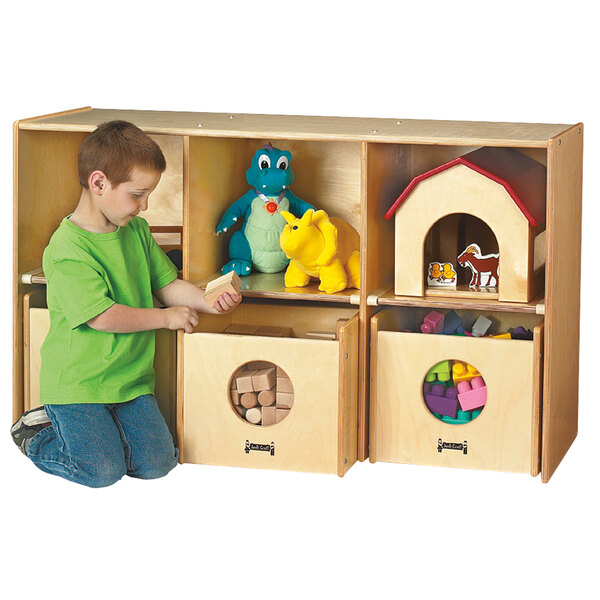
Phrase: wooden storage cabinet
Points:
(504, 437)
(318, 434)
(352, 168)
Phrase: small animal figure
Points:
(256, 245)
(441, 274)
(323, 248)
(480, 265)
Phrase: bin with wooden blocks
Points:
(485, 412)
(259, 391)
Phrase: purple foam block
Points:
(442, 405)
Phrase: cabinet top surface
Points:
(307, 127)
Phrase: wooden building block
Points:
(257, 365)
(254, 415)
(240, 410)
(265, 379)
(269, 415)
(240, 329)
(274, 331)
(321, 335)
(243, 381)
(281, 414)
(266, 397)
(235, 396)
(284, 384)
(284, 400)
(249, 399)
(226, 283)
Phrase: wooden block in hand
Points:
(226, 283)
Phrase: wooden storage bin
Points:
(504, 437)
(319, 433)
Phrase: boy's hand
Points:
(227, 302)
(181, 317)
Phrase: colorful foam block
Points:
(433, 323)
(481, 326)
(452, 323)
(472, 394)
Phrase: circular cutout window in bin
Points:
(455, 392)
(261, 393)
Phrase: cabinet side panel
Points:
(563, 277)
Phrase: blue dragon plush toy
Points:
(256, 244)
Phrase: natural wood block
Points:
(235, 396)
(266, 397)
(244, 381)
(265, 379)
(321, 335)
(257, 365)
(281, 414)
(274, 331)
(269, 415)
(240, 410)
(240, 329)
(284, 400)
(284, 384)
(254, 415)
(226, 283)
(249, 400)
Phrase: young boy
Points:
(100, 420)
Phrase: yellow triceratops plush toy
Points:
(320, 247)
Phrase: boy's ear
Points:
(97, 182)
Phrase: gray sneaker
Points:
(28, 424)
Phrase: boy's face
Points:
(120, 204)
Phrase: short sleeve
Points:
(162, 270)
(80, 291)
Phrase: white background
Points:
(384, 530)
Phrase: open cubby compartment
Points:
(36, 324)
(327, 174)
(505, 436)
(318, 434)
(444, 200)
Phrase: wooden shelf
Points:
(270, 286)
(482, 302)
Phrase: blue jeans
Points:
(96, 444)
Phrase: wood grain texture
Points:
(563, 281)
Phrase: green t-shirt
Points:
(87, 273)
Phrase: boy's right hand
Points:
(181, 317)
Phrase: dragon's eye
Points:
(264, 162)
(295, 227)
(282, 163)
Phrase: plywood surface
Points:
(311, 127)
(563, 281)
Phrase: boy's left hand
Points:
(227, 302)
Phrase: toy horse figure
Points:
(480, 265)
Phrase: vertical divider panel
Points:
(563, 281)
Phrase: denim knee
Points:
(158, 465)
(101, 474)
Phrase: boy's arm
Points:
(181, 292)
(120, 318)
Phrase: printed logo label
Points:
(270, 448)
(451, 446)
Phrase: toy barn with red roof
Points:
(492, 197)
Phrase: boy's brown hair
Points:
(116, 148)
